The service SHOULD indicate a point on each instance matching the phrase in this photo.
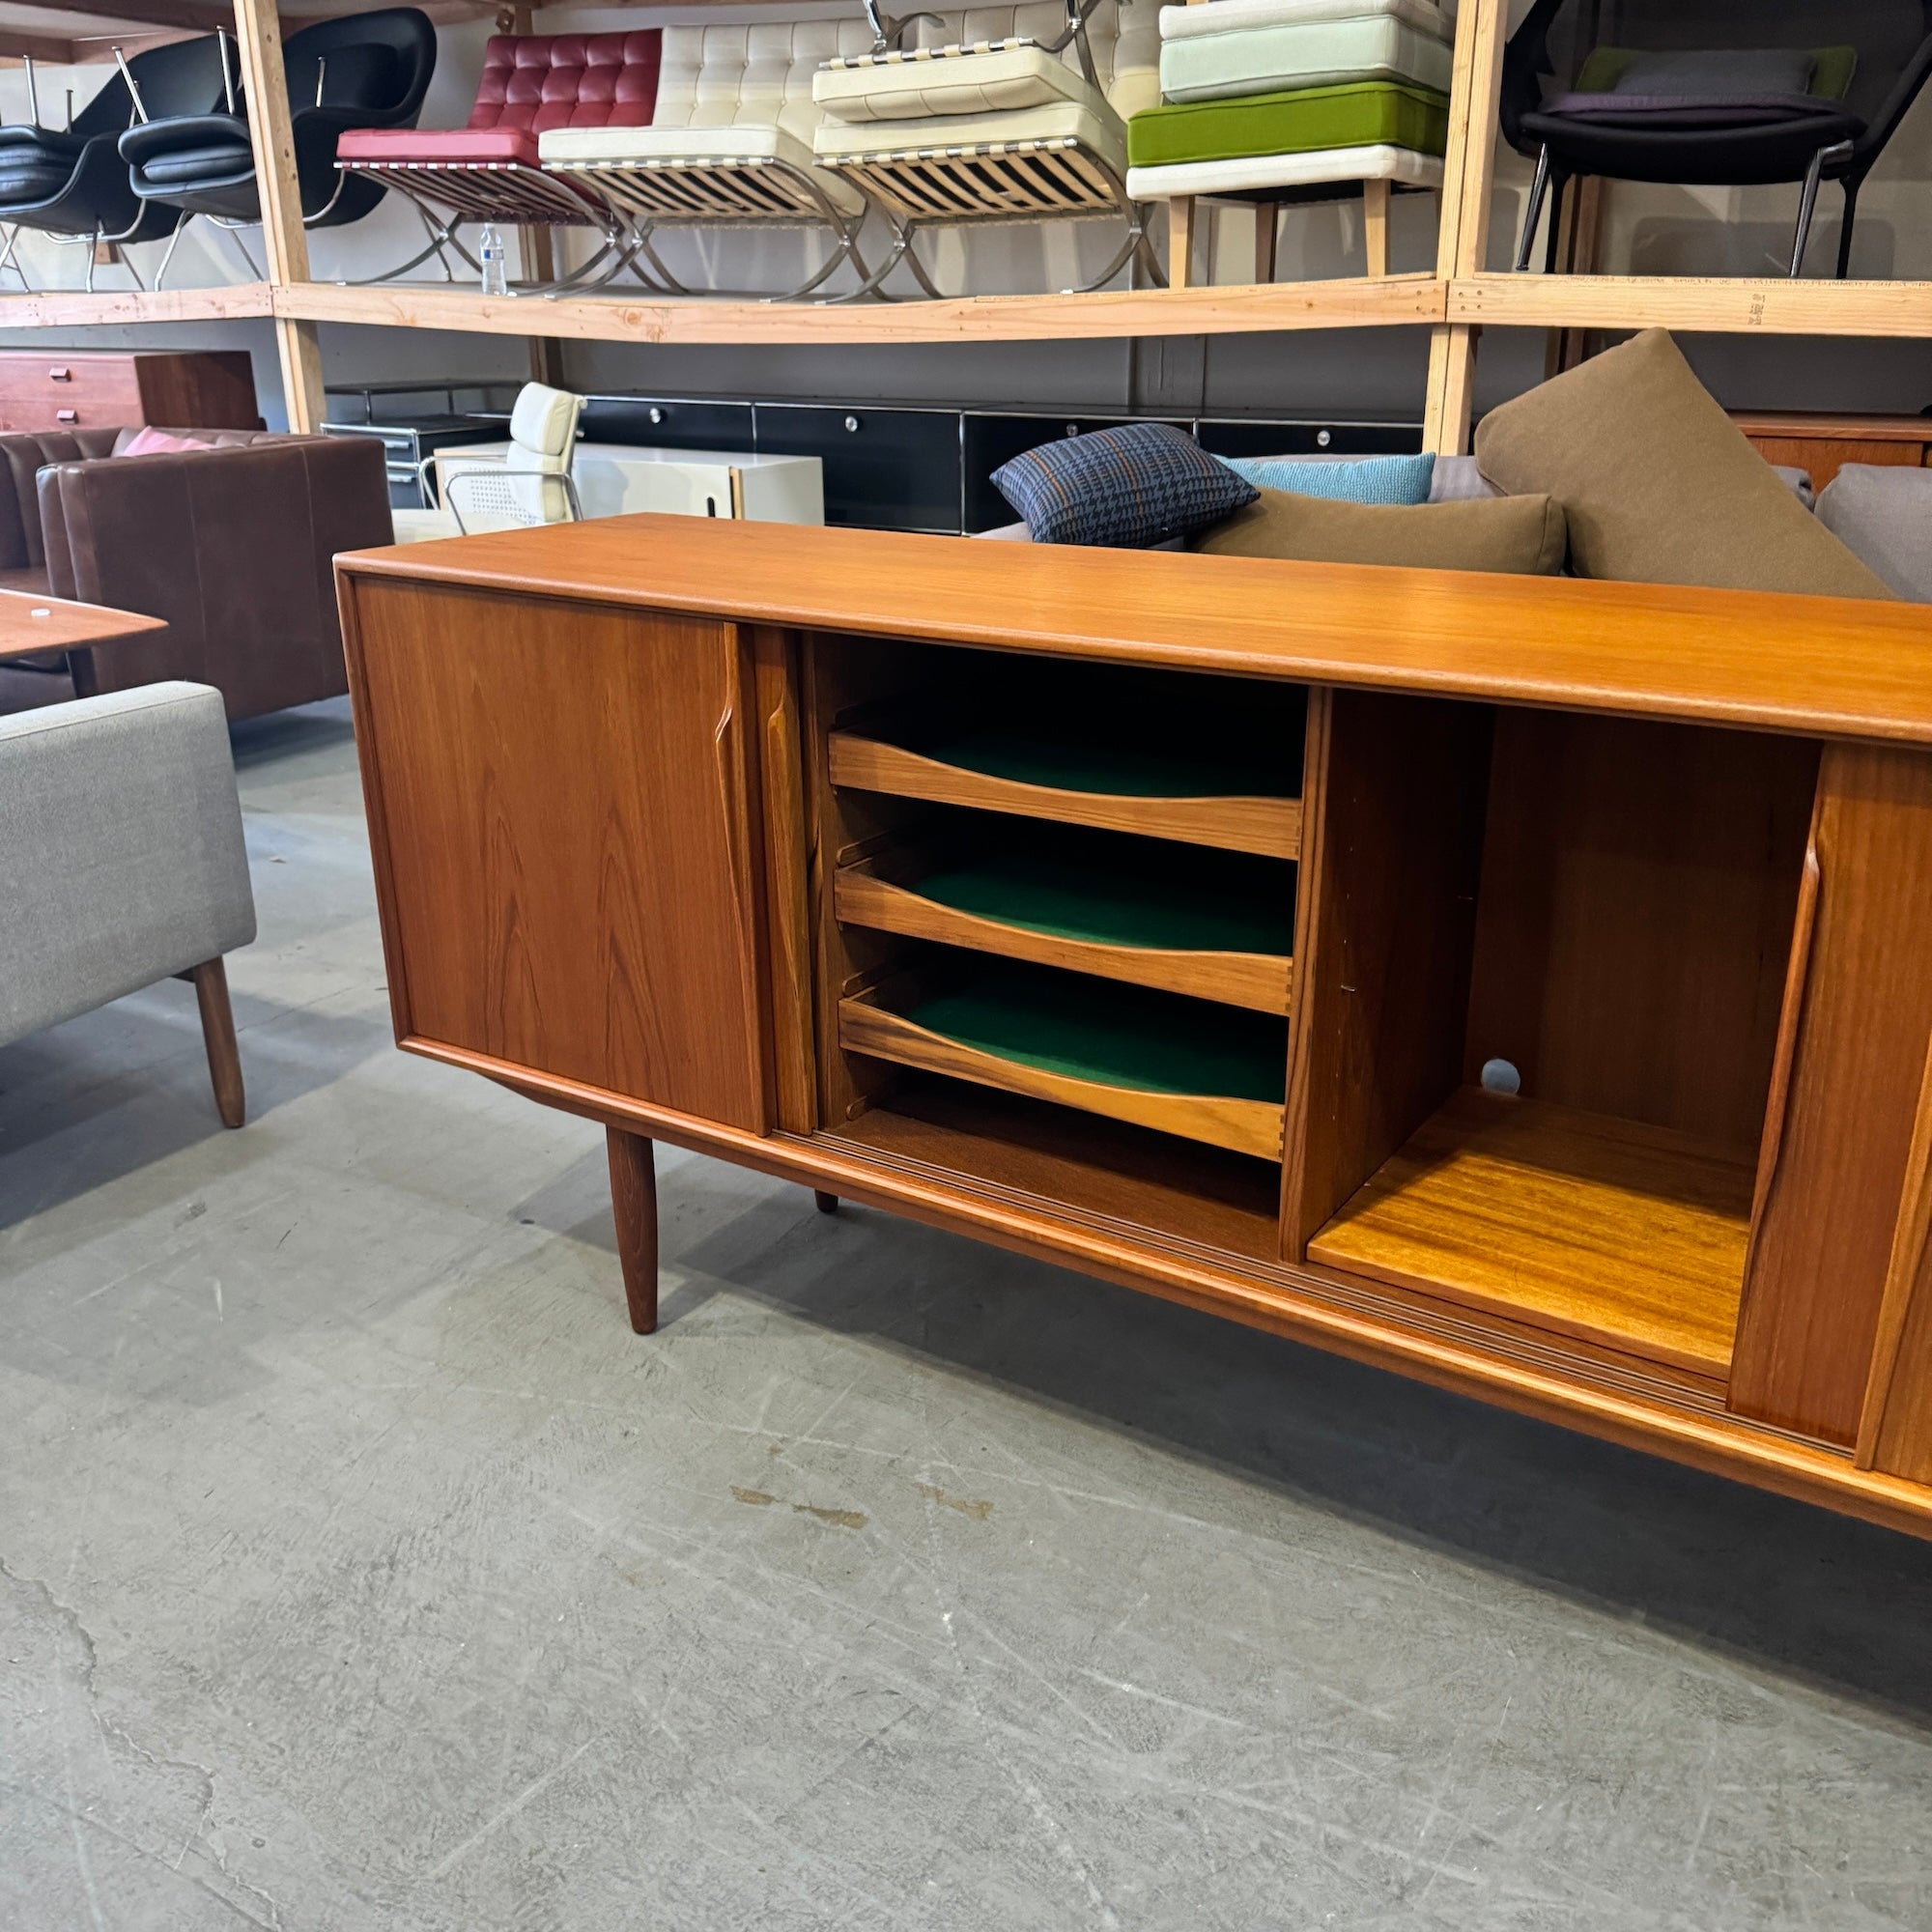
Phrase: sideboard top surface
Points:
(1833, 666)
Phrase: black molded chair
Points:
(73, 183)
(357, 70)
(1707, 126)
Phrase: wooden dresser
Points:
(1189, 922)
(58, 388)
(1824, 444)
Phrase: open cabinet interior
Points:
(1477, 1005)
(1055, 917)
(1542, 1013)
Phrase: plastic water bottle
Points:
(495, 266)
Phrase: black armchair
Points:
(357, 70)
(72, 182)
(1794, 93)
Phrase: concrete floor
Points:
(359, 1568)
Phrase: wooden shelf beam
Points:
(1359, 303)
(1770, 305)
(122, 308)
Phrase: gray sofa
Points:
(123, 863)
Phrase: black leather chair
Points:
(73, 182)
(357, 70)
(1722, 130)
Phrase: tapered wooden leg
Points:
(825, 1204)
(217, 1032)
(1376, 225)
(1267, 214)
(633, 1201)
(1180, 241)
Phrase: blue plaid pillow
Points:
(1124, 487)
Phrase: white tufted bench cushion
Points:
(726, 96)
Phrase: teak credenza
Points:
(1159, 915)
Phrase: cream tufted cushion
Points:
(988, 61)
(1087, 124)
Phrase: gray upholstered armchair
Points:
(122, 862)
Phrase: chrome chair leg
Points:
(1807, 201)
(10, 259)
(180, 224)
(1538, 190)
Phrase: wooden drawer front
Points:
(55, 391)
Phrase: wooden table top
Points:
(1830, 667)
(30, 625)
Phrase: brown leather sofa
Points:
(233, 545)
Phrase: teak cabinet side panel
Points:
(1834, 1169)
(1391, 851)
(566, 796)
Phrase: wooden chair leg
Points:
(217, 1032)
(634, 1204)
(1180, 241)
(1376, 225)
(1267, 214)
(825, 1204)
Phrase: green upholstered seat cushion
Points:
(1300, 121)
(1121, 1036)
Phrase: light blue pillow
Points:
(1395, 480)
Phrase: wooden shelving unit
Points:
(1462, 297)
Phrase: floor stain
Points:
(758, 1498)
(844, 1518)
(978, 1508)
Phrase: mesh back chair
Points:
(730, 144)
(73, 184)
(1000, 114)
(357, 70)
(490, 169)
(1714, 96)
(531, 485)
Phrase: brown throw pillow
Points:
(1522, 536)
(1658, 483)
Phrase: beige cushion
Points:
(926, 82)
(1521, 536)
(1658, 483)
(1089, 123)
(740, 144)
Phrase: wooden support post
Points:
(1179, 241)
(258, 33)
(217, 1032)
(1267, 218)
(1464, 238)
(634, 1204)
(1376, 226)
(536, 240)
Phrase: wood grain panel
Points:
(1269, 826)
(1621, 1234)
(1896, 1428)
(787, 857)
(1639, 885)
(1645, 649)
(564, 816)
(1835, 1158)
(1388, 885)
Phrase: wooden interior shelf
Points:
(1607, 1229)
(1211, 924)
(1205, 1072)
(1076, 782)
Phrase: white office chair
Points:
(530, 486)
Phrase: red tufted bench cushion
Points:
(531, 83)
